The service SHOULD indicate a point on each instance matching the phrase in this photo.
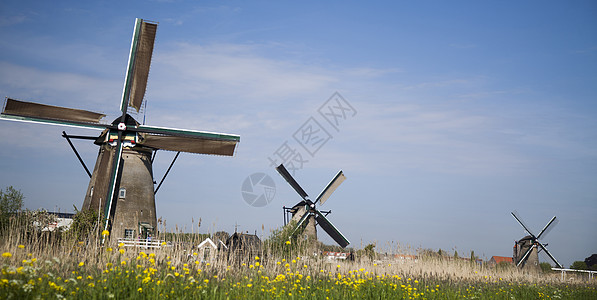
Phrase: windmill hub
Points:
(121, 126)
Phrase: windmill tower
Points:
(121, 187)
(526, 250)
(306, 214)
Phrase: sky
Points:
(455, 113)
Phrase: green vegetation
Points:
(545, 267)
(11, 202)
(579, 265)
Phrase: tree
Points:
(473, 257)
(591, 262)
(370, 251)
(455, 254)
(578, 265)
(11, 203)
(545, 267)
(85, 222)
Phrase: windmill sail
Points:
(42, 113)
(548, 227)
(331, 230)
(190, 141)
(142, 64)
(519, 220)
(330, 188)
(282, 170)
(550, 256)
(138, 66)
(190, 144)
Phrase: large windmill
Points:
(122, 184)
(526, 250)
(306, 214)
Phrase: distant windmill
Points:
(526, 250)
(122, 183)
(306, 213)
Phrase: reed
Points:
(67, 266)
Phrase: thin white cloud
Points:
(6, 21)
(226, 69)
(58, 88)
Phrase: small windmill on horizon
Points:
(526, 250)
(121, 186)
(305, 213)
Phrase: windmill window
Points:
(129, 233)
(122, 193)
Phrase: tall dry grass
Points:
(276, 256)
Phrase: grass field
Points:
(89, 271)
(73, 265)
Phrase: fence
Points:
(143, 243)
(591, 273)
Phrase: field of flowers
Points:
(95, 272)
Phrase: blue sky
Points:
(465, 111)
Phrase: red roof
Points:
(499, 259)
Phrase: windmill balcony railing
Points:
(141, 243)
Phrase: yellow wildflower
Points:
(105, 233)
(81, 264)
(21, 246)
(6, 254)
